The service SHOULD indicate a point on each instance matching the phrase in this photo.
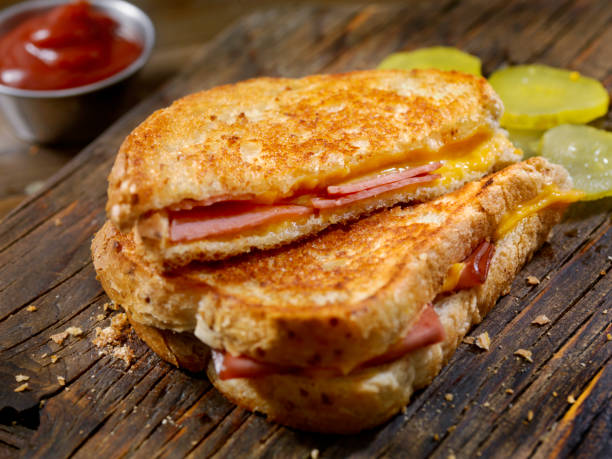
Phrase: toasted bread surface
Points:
(367, 398)
(170, 255)
(268, 138)
(333, 300)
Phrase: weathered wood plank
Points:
(149, 409)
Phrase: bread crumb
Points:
(59, 338)
(74, 331)
(570, 399)
(451, 429)
(469, 340)
(61, 380)
(555, 393)
(602, 272)
(21, 378)
(124, 353)
(532, 280)
(42, 356)
(314, 454)
(436, 437)
(57, 221)
(540, 320)
(449, 397)
(31, 308)
(110, 307)
(24, 386)
(524, 353)
(486, 404)
(604, 312)
(609, 337)
(530, 416)
(100, 317)
(483, 341)
(54, 358)
(509, 391)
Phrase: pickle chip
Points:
(586, 153)
(541, 97)
(436, 57)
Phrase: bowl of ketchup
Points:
(64, 63)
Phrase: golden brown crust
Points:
(368, 398)
(181, 349)
(270, 137)
(340, 298)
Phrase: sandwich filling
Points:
(427, 330)
(225, 215)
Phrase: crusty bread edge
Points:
(359, 401)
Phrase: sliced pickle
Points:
(586, 153)
(436, 57)
(527, 140)
(541, 97)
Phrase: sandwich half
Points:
(334, 333)
(264, 162)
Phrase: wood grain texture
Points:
(148, 409)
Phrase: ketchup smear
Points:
(71, 45)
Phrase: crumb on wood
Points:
(609, 337)
(31, 308)
(100, 317)
(61, 380)
(451, 429)
(449, 397)
(540, 320)
(524, 353)
(21, 378)
(604, 312)
(314, 454)
(469, 340)
(436, 437)
(532, 280)
(124, 353)
(509, 391)
(24, 386)
(43, 355)
(110, 307)
(57, 221)
(530, 416)
(483, 341)
(115, 335)
(54, 358)
(59, 338)
(555, 394)
(570, 399)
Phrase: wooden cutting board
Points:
(501, 404)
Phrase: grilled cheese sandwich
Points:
(264, 162)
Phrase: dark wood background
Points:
(149, 409)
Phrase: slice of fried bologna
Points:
(292, 156)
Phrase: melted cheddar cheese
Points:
(452, 277)
(549, 196)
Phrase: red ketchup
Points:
(71, 45)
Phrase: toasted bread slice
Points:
(335, 300)
(366, 398)
(272, 142)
